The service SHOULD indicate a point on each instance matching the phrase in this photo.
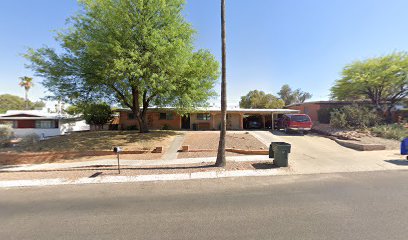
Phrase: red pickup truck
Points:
(294, 122)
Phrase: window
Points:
(166, 116)
(131, 116)
(300, 118)
(203, 116)
(44, 124)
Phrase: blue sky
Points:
(304, 43)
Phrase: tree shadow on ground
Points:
(294, 133)
(399, 162)
(100, 168)
(265, 165)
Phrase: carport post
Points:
(272, 121)
(263, 121)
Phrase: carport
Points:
(266, 117)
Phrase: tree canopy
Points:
(133, 52)
(382, 80)
(11, 102)
(290, 96)
(259, 99)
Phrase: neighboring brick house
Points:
(312, 108)
(203, 119)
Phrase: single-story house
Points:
(42, 123)
(201, 119)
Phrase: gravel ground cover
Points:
(209, 140)
(363, 137)
(130, 171)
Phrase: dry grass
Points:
(84, 146)
(98, 140)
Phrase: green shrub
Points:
(6, 134)
(354, 117)
(132, 128)
(165, 127)
(391, 131)
(29, 140)
(338, 119)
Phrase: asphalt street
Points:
(369, 205)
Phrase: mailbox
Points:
(117, 149)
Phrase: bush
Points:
(165, 127)
(97, 113)
(392, 131)
(338, 119)
(29, 139)
(354, 117)
(132, 128)
(6, 134)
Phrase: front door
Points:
(185, 122)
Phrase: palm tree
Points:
(220, 162)
(26, 83)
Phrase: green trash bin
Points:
(271, 146)
(195, 126)
(281, 151)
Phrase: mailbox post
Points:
(118, 150)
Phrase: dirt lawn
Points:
(80, 146)
(209, 140)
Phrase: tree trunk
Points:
(26, 99)
(388, 117)
(221, 162)
(143, 128)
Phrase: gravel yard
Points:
(209, 140)
(130, 171)
(363, 137)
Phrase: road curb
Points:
(139, 178)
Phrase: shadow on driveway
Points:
(399, 162)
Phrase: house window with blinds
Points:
(45, 124)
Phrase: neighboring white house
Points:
(42, 123)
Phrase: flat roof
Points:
(329, 102)
(238, 110)
(29, 118)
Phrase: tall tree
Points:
(11, 102)
(133, 52)
(259, 99)
(221, 161)
(290, 97)
(382, 80)
(26, 83)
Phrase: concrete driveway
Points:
(317, 154)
